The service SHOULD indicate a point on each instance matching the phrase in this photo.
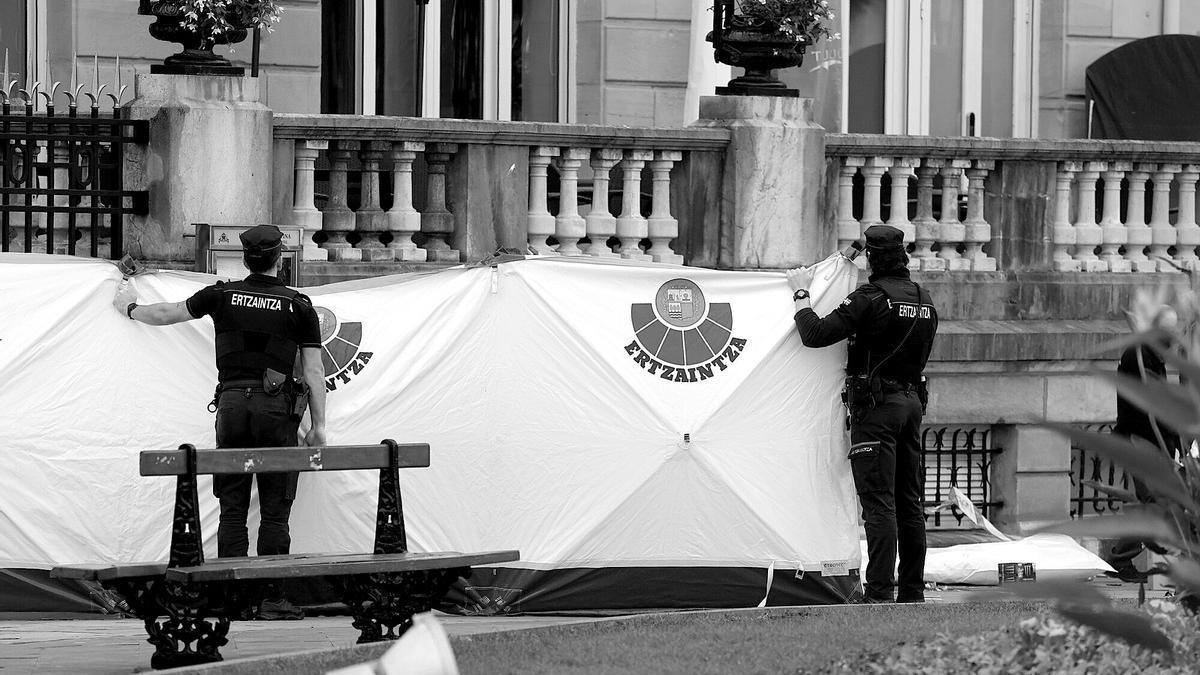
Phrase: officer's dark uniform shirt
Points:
(877, 316)
(250, 335)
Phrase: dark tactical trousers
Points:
(885, 454)
(254, 420)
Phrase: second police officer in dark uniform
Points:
(891, 324)
(264, 330)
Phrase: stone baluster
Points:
(1162, 235)
(601, 224)
(403, 220)
(872, 172)
(977, 231)
(337, 220)
(437, 222)
(1088, 234)
(1114, 232)
(848, 228)
(1062, 231)
(540, 223)
(304, 208)
(924, 224)
(1138, 234)
(631, 224)
(1187, 232)
(901, 171)
(370, 221)
(569, 226)
(661, 226)
(951, 231)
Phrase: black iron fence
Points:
(957, 457)
(61, 185)
(1086, 500)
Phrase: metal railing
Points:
(1086, 500)
(960, 457)
(61, 187)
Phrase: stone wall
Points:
(632, 61)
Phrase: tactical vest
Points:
(256, 329)
(900, 349)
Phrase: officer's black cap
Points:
(262, 241)
(884, 237)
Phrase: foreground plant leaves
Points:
(1138, 456)
(1112, 491)
(1185, 573)
(1087, 605)
(1134, 628)
(1144, 526)
(1168, 402)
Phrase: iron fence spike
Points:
(74, 96)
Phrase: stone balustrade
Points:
(376, 189)
(983, 204)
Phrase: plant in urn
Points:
(199, 25)
(762, 36)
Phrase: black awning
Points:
(1148, 89)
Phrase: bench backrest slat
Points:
(265, 460)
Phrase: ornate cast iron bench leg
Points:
(186, 623)
(383, 604)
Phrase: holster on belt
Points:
(274, 382)
(861, 393)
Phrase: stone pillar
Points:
(437, 222)
(927, 229)
(1032, 476)
(601, 225)
(569, 226)
(208, 160)
(403, 220)
(540, 223)
(337, 220)
(772, 192)
(304, 209)
(370, 221)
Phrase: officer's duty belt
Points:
(890, 385)
(241, 385)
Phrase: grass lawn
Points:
(787, 640)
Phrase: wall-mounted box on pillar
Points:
(219, 252)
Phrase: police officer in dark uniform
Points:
(891, 324)
(265, 334)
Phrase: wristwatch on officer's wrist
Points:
(800, 294)
(129, 309)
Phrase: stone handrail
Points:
(485, 186)
(1066, 205)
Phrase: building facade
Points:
(1002, 68)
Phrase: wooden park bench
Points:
(187, 604)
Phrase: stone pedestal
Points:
(1032, 475)
(208, 160)
(771, 192)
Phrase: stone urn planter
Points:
(197, 57)
(760, 47)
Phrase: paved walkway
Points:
(92, 644)
(85, 643)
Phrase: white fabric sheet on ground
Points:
(552, 429)
(1054, 556)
